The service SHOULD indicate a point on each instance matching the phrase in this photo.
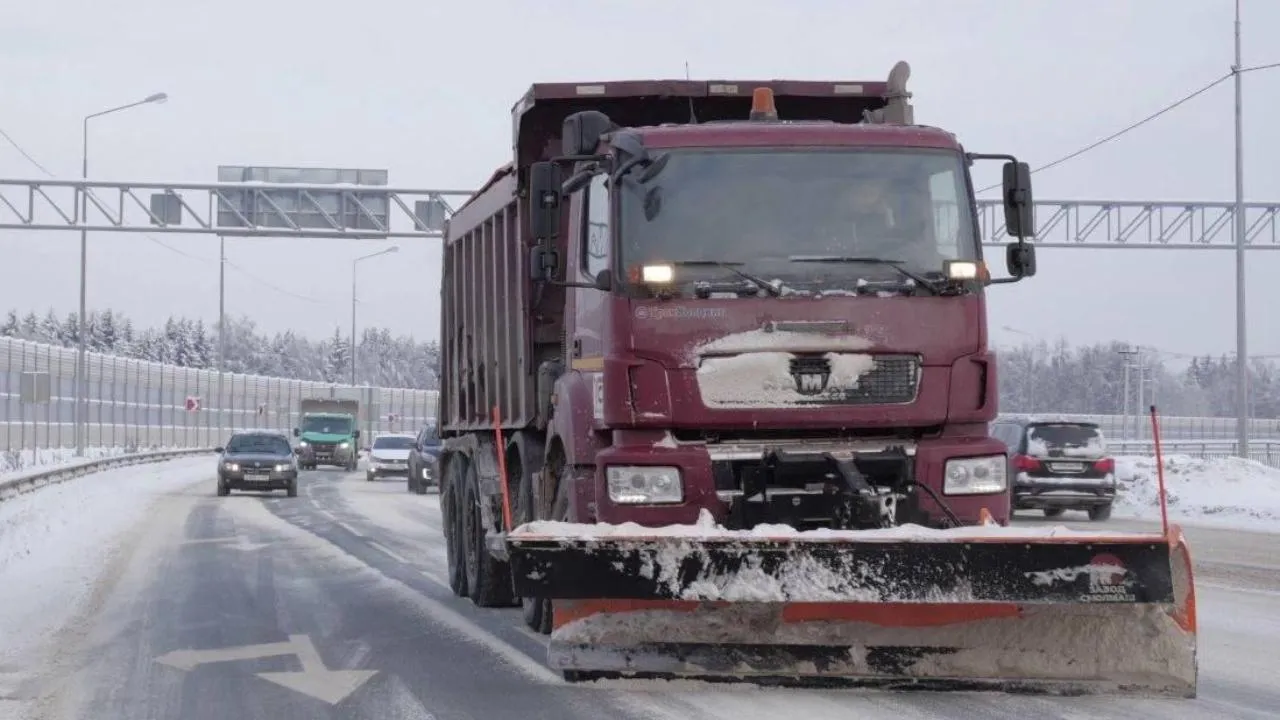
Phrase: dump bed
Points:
(495, 332)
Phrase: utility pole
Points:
(1127, 353)
(222, 323)
(1242, 343)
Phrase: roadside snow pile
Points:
(15, 463)
(1219, 491)
(56, 541)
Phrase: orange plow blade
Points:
(968, 608)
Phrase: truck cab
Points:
(328, 433)
(765, 311)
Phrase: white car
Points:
(389, 455)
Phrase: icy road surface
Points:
(137, 594)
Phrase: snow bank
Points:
(56, 541)
(16, 462)
(1229, 491)
(706, 528)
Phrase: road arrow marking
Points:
(315, 680)
(238, 542)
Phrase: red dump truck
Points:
(715, 401)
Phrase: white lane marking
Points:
(349, 529)
(1236, 589)
(388, 551)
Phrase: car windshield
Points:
(1065, 439)
(392, 443)
(266, 444)
(326, 425)
(801, 216)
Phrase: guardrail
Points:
(1263, 450)
(36, 479)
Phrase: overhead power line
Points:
(265, 283)
(1130, 128)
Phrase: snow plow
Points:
(982, 607)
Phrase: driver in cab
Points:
(869, 223)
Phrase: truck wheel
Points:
(452, 525)
(537, 612)
(1100, 512)
(488, 579)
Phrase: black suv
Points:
(424, 461)
(1057, 465)
(257, 460)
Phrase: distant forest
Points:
(1036, 377)
(383, 360)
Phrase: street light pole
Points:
(1242, 341)
(354, 264)
(80, 411)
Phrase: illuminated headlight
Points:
(426, 473)
(976, 475)
(644, 485)
(962, 270)
(657, 273)
(283, 467)
(303, 443)
(233, 467)
(344, 445)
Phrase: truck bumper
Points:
(699, 464)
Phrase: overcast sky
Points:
(424, 89)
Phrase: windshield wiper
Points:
(765, 285)
(919, 280)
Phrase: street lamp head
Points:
(156, 98)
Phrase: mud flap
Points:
(1068, 614)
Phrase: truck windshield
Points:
(773, 212)
(328, 426)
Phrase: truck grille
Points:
(893, 380)
(809, 380)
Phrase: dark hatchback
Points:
(1055, 466)
(424, 461)
(257, 460)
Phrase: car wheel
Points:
(293, 489)
(368, 477)
(1053, 512)
(223, 490)
(1100, 512)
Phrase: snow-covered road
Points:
(101, 576)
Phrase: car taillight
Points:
(1105, 465)
(1023, 463)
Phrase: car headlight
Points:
(233, 467)
(303, 443)
(283, 467)
(426, 473)
(976, 475)
(644, 485)
(344, 445)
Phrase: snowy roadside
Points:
(1220, 492)
(56, 542)
(15, 463)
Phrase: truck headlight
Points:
(976, 475)
(303, 443)
(344, 445)
(644, 485)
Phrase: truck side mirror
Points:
(297, 433)
(1020, 259)
(544, 201)
(604, 280)
(1019, 208)
(355, 433)
(580, 133)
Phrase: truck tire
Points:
(537, 611)
(452, 525)
(488, 579)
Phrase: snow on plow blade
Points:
(1004, 608)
